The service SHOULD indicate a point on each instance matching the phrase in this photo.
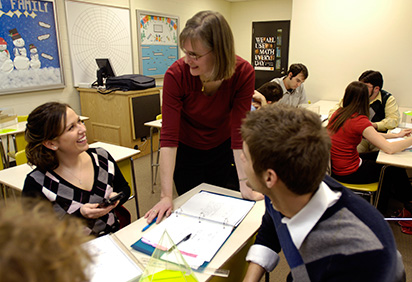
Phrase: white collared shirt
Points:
(299, 226)
(302, 223)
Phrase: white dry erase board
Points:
(98, 31)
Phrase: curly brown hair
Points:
(35, 246)
(44, 123)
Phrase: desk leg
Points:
(3, 155)
(151, 158)
(134, 187)
(157, 158)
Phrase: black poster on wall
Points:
(270, 50)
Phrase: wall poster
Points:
(158, 42)
(270, 50)
(29, 46)
(267, 52)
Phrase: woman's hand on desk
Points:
(163, 208)
(248, 193)
(404, 132)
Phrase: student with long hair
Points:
(69, 174)
(346, 127)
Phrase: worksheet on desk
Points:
(110, 262)
(398, 139)
(206, 237)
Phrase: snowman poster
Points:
(29, 46)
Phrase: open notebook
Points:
(209, 218)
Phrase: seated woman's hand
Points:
(404, 132)
(163, 208)
(94, 211)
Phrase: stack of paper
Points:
(209, 218)
(111, 262)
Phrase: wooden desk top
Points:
(17, 128)
(245, 231)
(325, 106)
(14, 177)
(122, 93)
(154, 123)
(118, 153)
(401, 159)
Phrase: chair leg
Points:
(378, 191)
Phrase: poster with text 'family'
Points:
(158, 42)
(29, 47)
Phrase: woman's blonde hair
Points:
(213, 30)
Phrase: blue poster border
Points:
(154, 59)
(30, 57)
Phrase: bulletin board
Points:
(98, 31)
(158, 42)
(29, 47)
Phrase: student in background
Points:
(268, 93)
(347, 126)
(206, 94)
(36, 246)
(384, 111)
(74, 177)
(326, 232)
(292, 85)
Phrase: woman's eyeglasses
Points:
(195, 56)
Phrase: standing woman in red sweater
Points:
(206, 94)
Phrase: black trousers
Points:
(215, 166)
(395, 182)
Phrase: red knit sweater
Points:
(204, 122)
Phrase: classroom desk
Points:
(230, 256)
(14, 177)
(17, 128)
(158, 125)
(325, 106)
(401, 159)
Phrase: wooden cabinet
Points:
(118, 117)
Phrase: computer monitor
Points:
(105, 70)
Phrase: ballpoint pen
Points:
(150, 224)
(183, 240)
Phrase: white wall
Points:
(338, 40)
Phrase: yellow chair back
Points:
(21, 157)
(22, 118)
